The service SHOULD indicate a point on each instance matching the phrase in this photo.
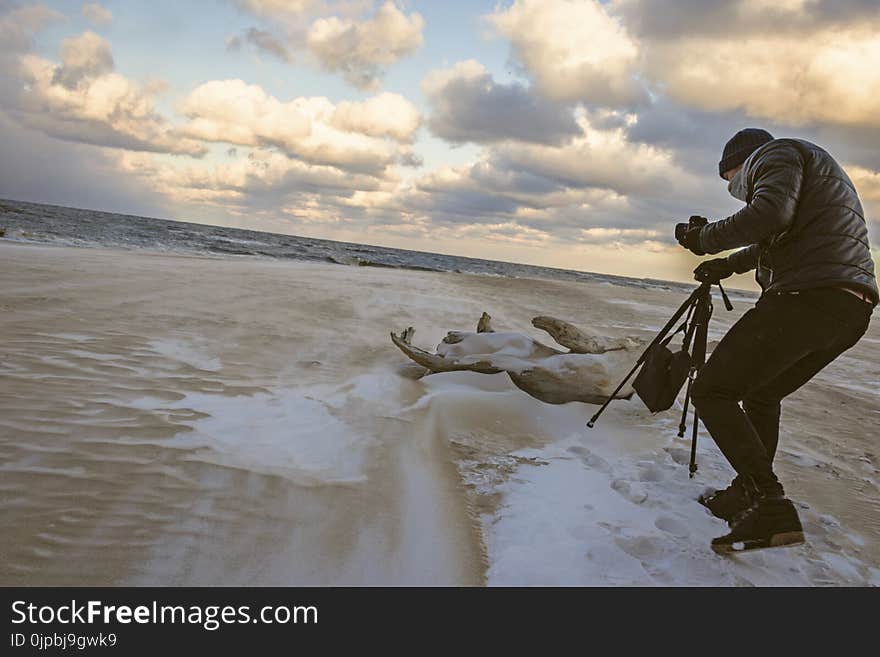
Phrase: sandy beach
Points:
(177, 420)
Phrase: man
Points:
(805, 235)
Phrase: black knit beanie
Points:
(740, 146)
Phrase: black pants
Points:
(774, 349)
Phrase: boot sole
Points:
(785, 539)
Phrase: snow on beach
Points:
(201, 421)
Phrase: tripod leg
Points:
(692, 467)
(614, 394)
(684, 411)
(703, 314)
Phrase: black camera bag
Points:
(662, 375)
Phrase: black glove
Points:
(713, 270)
(691, 241)
(688, 235)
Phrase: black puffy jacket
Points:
(803, 223)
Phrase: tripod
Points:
(698, 307)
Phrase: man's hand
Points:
(713, 270)
(688, 235)
(690, 239)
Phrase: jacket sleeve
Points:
(775, 179)
(745, 259)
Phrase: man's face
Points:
(730, 173)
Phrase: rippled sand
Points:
(173, 420)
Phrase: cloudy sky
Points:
(568, 133)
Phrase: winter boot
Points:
(770, 522)
(729, 502)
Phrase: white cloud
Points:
(261, 178)
(600, 158)
(796, 62)
(362, 51)
(355, 136)
(236, 112)
(468, 105)
(385, 115)
(575, 50)
(83, 100)
(84, 56)
(826, 75)
(484, 191)
(98, 14)
(277, 8)
(590, 190)
(514, 194)
(338, 34)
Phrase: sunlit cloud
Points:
(82, 99)
(362, 50)
(260, 179)
(794, 62)
(355, 38)
(364, 136)
(278, 8)
(574, 51)
(828, 76)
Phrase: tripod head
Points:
(706, 286)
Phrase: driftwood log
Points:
(586, 372)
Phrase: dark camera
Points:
(695, 221)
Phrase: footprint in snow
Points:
(642, 547)
(592, 461)
(629, 490)
(653, 473)
(672, 526)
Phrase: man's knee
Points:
(706, 387)
(761, 403)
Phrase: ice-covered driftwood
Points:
(587, 372)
